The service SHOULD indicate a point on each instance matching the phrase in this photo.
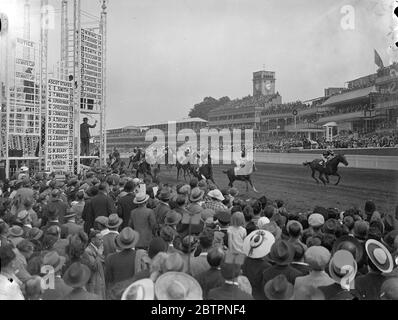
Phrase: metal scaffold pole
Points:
(64, 40)
(43, 79)
(103, 31)
(77, 76)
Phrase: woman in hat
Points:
(380, 263)
(256, 247)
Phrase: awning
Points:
(348, 96)
(330, 124)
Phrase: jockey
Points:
(240, 163)
(326, 156)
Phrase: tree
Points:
(202, 109)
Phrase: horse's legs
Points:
(321, 178)
(313, 176)
(338, 180)
(251, 183)
(178, 172)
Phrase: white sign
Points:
(91, 70)
(59, 126)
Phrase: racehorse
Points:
(246, 178)
(205, 171)
(143, 168)
(329, 170)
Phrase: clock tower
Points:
(263, 83)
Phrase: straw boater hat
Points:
(127, 238)
(70, 213)
(22, 215)
(177, 286)
(379, 255)
(339, 263)
(258, 244)
(140, 290)
(141, 198)
(15, 231)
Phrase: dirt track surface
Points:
(293, 184)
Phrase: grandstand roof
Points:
(186, 120)
(249, 101)
(350, 95)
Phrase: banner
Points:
(59, 126)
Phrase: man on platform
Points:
(85, 136)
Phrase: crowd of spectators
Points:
(286, 108)
(108, 236)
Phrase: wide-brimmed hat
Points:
(279, 288)
(258, 244)
(216, 194)
(140, 198)
(379, 255)
(177, 286)
(294, 222)
(317, 257)
(127, 238)
(77, 275)
(172, 218)
(143, 289)
(350, 244)
(15, 231)
(196, 194)
(282, 252)
(70, 213)
(164, 194)
(102, 220)
(339, 266)
(35, 233)
(54, 260)
(114, 221)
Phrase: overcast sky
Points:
(166, 55)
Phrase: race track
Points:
(294, 185)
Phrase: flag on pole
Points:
(378, 60)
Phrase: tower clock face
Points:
(268, 85)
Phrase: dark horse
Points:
(330, 170)
(246, 178)
(143, 168)
(186, 169)
(205, 171)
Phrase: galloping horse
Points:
(246, 178)
(329, 170)
(205, 171)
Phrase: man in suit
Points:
(200, 264)
(143, 220)
(126, 204)
(121, 265)
(230, 289)
(70, 227)
(77, 277)
(113, 223)
(85, 136)
(163, 206)
(212, 277)
(282, 254)
(57, 204)
(99, 205)
(60, 290)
